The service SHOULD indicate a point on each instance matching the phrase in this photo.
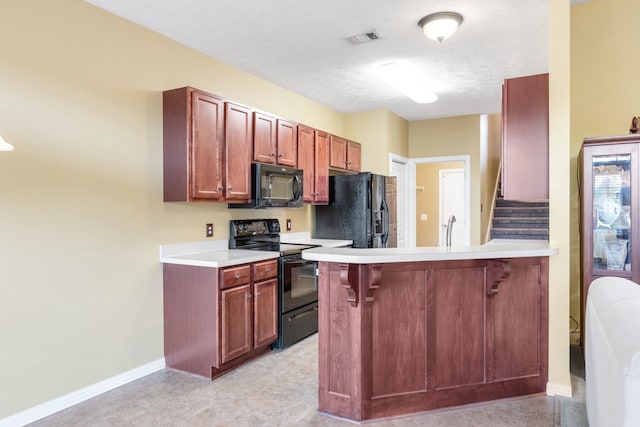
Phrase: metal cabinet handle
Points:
(248, 295)
(229, 188)
(238, 276)
(220, 188)
(273, 154)
(267, 269)
(258, 294)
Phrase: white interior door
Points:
(452, 206)
(398, 168)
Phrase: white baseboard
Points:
(78, 396)
(557, 390)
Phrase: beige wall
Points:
(380, 132)
(490, 165)
(454, 136)
(427, 201)
(604, 91)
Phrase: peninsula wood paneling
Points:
(459, 319)
(399, 320)
(402, 338)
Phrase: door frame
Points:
(395, 158)
(411, 187)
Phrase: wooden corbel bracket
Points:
(497, 271)
(350, 279)
(374, 275)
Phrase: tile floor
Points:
(257, 394)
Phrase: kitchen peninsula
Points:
(406, 330)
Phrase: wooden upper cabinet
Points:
(306, 162)
(322, 167)
(192, 145)
(264, 138)
(344, 154)
(338, 152)
(353, 156)
(313, 159)
(238, 139)
(287, 143)
(525, 138)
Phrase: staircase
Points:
(520, 220)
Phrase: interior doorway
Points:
(427, 222)
(451, 200)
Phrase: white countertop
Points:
(304, 238)
(494, 249)
(215, 253)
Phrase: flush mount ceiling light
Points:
(440, 25)
(4, 145)
(407, 80)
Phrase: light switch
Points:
(423, 217)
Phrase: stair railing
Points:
(487, 237)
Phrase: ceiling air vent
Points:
(358, 39)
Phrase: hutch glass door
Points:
(611, 212)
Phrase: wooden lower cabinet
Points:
(217, 319)
(402, 338)
(236, 322)
(265, 312)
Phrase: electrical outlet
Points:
(288, 225)
(209, 230)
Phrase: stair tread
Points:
(524, 230)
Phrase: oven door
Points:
(299, 282)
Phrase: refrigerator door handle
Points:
(385, 223)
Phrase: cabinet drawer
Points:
(265, 269)
(234, 276)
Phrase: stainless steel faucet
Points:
(452, 219)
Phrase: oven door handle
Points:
(302, 262)
(303, 314)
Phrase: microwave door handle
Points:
(297, 187)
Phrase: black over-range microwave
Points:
(273, 186)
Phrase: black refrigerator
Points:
(357, 210)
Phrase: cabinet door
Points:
(306, 162)
(265, 312)
(525, 138)
(287, 143)
(517, 323)
(338, 152)
(206, 147)
(238, 142)
(321, 183)
(264, 138)
(353, 156)
(236, 334)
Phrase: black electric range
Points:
(297, 278)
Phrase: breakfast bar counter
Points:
(407, 330)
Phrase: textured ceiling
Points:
(301, 45)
